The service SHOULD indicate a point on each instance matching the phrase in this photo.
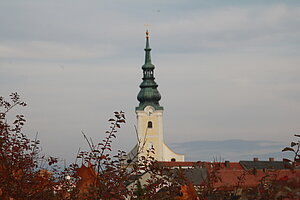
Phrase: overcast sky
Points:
(225, 69)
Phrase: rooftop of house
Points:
(263, 164)
(227, 165)
(231, 174)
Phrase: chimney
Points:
(254, 171)
(271, 159)
(227, 163)
(255, 159)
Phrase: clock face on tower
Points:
(149, 110)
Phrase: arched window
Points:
(149, 124)
(173, 159)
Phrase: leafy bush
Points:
(24, 175)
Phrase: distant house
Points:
(230, 175)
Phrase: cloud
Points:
(241, 28)
(50, 50)
(250, 29)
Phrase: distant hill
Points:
(233, 150)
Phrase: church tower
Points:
(150, 117)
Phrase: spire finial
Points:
(147, 31)
(147, 43)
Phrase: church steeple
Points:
(148, 95)
(150, 118)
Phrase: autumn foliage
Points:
(26, 175)
(188, 193)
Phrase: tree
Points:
(21, 176)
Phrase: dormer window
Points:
(149, 124)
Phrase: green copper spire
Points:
(148, 95)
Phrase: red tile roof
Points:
(230, 177)
(231, 173)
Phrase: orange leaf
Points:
(188, 193)
(88, 178)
